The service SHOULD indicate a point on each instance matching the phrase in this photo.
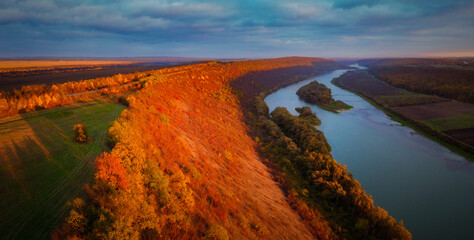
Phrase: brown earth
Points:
(436, 110)
(466, 135)
(361, 81)
(381, 92)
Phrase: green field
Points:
(448, 123)
(406, 98)
(41, 167)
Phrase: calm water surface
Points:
(415, 179)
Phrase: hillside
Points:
(184, 166)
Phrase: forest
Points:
(319, 94)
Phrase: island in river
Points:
(319, 94)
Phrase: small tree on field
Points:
(80, 133)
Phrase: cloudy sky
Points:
(237, 28)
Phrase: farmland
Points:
(10, 80)
(383, 93)
(436, 116)
(42, 168)
(437, 110)
(7, 66)
(445, 79)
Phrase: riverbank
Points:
(376, 99)
(414, 178)
(294, 152)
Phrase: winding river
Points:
(414, 178)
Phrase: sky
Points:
(237, 28)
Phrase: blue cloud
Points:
(255, 28)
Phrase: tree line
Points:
(35, 97)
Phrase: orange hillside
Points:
(184, 167)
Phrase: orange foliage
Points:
(110, 170)
(184, 163)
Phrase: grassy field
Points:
(448, 123)
(42, 168)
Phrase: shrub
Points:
(80, 133)
(164, 119)
(262, 230)
(217, 232)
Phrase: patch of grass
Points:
(448, 123)
(42, 168)
(59, 114)
(335, 107)
(340, 105)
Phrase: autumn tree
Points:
(80, 133)
(111, 171)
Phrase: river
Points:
(414, 178)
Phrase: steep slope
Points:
(183, 165)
